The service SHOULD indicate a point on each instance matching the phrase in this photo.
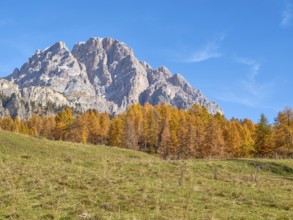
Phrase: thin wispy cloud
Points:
(228, 96)
(287, 16)
(250, 81)
(209, 51)
(248, 91)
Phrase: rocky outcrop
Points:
(23, 102)
(102, 74)
(7, 88)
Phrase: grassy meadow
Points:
(42, 179)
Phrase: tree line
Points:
(166, 131)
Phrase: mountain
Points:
(102, 74)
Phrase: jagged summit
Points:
(101, 73)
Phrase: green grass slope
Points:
(41, 179)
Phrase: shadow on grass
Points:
(288, 178)
(269, 166)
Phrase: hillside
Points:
(41, 179)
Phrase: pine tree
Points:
(263, 140)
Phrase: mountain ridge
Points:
(102, 74)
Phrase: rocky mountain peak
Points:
(145, 65)
(178, 80)
(108, 42)
(164, 70)
(101, 73)
(57, 47)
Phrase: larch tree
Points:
(283, 135)
(191, 136)
(199, 125)
(184, 149)
(165, 140)
(174, 129)
(116, 133)
(150, 129)
(93, 125)
(64, 121)
(8, 123)
(35, 125)
(48, 127)
(16, 124)
(139, 123)
(79, 130)
(105, 124)
(166, 131)
(214, 140)
(247, 148)
(24, 127)
(232, 139)
(130, 131)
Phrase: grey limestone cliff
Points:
(102, 74)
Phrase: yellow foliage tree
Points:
(232, 139)
(165, 138)
(214, 141)
(150, 135)
(283, 135)
(8, 124)
(116, 135)
(48, 127)
(64, 121)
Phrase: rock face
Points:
(102, 74)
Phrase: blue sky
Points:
(237, 52)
